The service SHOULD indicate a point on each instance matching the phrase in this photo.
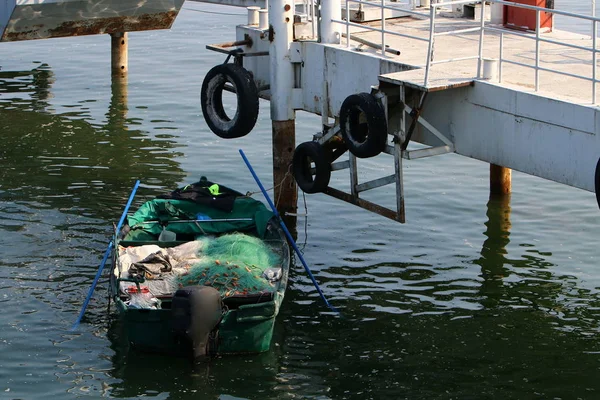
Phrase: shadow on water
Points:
(64, 179)
(500, 324)
(493, 251)
(147, 374)
(69, 160)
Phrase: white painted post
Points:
(537, 50)
(281, 74)
(253, 16)
(331, 31)
(595, 63)
(263, 19)
(347, 24)
(281, 20)
(594, 54)
(496, 13)
(490, 69)
(383, 28)
(481, 36)
(501, 57)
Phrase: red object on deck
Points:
(523, 19)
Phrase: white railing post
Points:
(481, 27)
(500, 56)
(263, 19)
(594, 62)
(253, 16)
(430, 49)
(281, 19)
(383, 28)
(537, 50)
(313, 18)
(347, 23)
(331, 31)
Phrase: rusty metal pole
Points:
(500, 179)
(118, 53)
(119, 63)
(281, 19)
(118, 60)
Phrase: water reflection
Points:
(34, 85)
(493, 251)
(70, 161)
(145, 374)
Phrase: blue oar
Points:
(106, 254)
(287, 233)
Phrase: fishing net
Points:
(233, 264)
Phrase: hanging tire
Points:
(597, 182)
(363, 125)
(211, 98)
(304, 155)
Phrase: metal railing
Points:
(408, 8)
(308, 8)
(539, 39)
(347, 22)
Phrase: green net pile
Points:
(233, 264)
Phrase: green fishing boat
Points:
(200, 271)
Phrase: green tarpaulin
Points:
(152, 216)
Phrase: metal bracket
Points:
(415, 114)
(237, 52)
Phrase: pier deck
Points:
(515, 48)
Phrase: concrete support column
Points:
(281, 20)
(331, 32)
(500, 179)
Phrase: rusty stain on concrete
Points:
(92, 26)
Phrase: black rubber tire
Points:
(305, 154)
(363, 125)
(211, 99)
(597, 182)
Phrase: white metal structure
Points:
(436, 78)
(432, 95)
